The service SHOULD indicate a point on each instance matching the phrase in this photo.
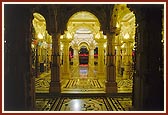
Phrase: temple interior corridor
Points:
(81, 84)
(83, 93)
(84, 57)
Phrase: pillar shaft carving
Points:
(91, 63)
(66, 57)
(127, 61)
(75, 55)
(111, 85)
(55, 68)
(118, 60)
(101, 58)
(75, 70)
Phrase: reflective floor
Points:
(81, 83)
(82, 86)
(84, 104)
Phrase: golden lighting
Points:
(97, 35)
(61, 37)
(40, 36)
(126, 36)
(105, 37)
(61, 46)
(38, 16)
(105, 45)
(32, 46)
(117, 25)
(123, 46)
(69, 36)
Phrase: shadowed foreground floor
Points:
(84, 103)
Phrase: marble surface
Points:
(81, 84)
(84, 104)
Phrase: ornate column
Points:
(76, 56)
(128, 61)
(37, 62)
(75, 71)
(118, 60)
(101, 58)
(55, 86)
(65, 72)
(111, 85)
(91, 60)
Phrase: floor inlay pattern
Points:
(78, 84)
(84, 104)
(125, 85)
(42, 84)
(83, 83)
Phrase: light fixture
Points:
(40, 36)
(61, 36)
(123, 46)
(117, 25)
(105, 37)
(126, 36)
(32, 45)
(105, 45)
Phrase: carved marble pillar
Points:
(128, 61)
(111, 85)
(91, 63)
(75, 57)
(55, 86)
(101, 65)
(118, 60)
(65, 72)
(75, 70)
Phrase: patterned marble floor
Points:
(84, 104)
(81, 84)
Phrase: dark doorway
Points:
(83, 55)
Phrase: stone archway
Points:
(124, 21)
(83, 29)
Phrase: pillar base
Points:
(55, 87)
(125, 75)
(111, 87)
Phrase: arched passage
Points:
(149, 82)
(83, 29)
(83, 32)
(124, 20)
